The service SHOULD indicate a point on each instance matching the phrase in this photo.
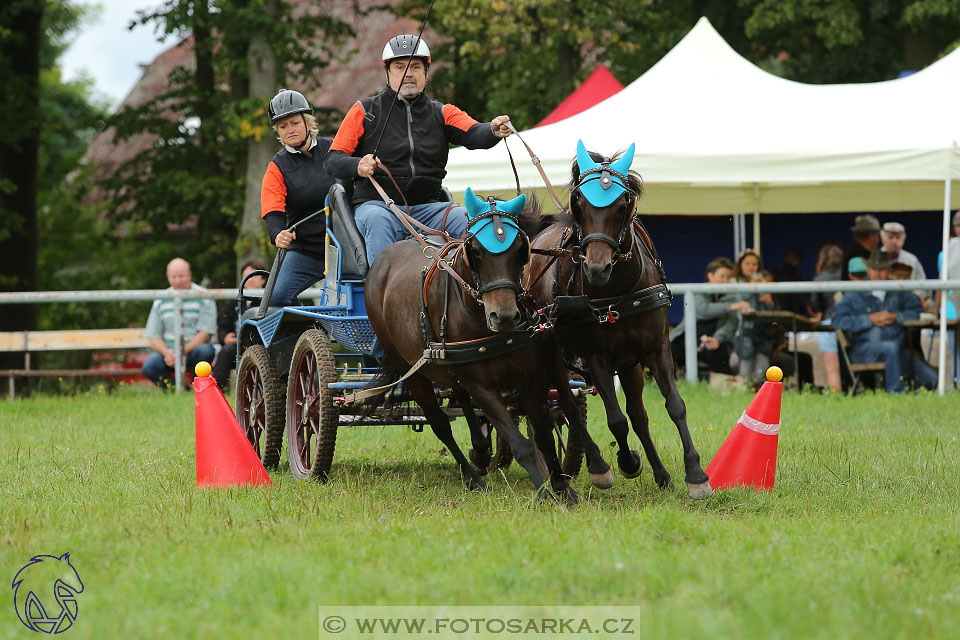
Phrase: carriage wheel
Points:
(260, 404)
(312, 419)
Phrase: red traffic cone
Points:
(224, 455)
(749, 454)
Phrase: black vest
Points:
(414, 146)
(307, 185)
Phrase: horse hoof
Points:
(602, 480)
(665, 482)
(570, 497)
(478, 463)
(636, 460)
(700, 491)
(477, 484)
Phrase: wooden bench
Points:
(33, 341)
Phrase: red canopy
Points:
(599, 86)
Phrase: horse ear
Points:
(475, 206)
(622, 165)
(584, 161)
(514, 206)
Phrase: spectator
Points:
(789, 271)
(875, 322)
(866, 238)
(822, 304)
(900, 271)
(227, 325)
(953, 296)
(418, 123)
(751, 350)
(893, 235)
(711, 308)
(199, 324)
(295, 186)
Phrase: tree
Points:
(195, 175)
(21, 37)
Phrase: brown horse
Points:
(612, 262)
(409, 308)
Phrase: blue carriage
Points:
(297, 365)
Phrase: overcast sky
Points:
(109, 53)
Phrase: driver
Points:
(294, 186)
(414, 148)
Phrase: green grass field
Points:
(858, 540)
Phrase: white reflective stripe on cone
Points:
(759, 427)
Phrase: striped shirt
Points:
(199, 314)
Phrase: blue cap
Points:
(494, 238)
(857, 265)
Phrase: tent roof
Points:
(599, 85)
(717, 134)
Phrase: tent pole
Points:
(942, 378)
(736, 236)
(756, 217)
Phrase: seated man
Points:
(199, 324)
(875, 320)
(711, 309)
(411, 140)
(227, 325)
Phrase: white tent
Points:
(717, 134)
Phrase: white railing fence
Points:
(685, 289)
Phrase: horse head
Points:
(603, 198)
(496, 249)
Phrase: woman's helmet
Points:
(286, 103)
(402, 46)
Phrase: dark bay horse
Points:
(612, 262)
(412, 306)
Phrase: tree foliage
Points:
(192, 176)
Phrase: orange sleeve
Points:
(457, 117)
(273, 191)
(350, 131)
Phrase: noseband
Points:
(605, 174)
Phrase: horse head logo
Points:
(45, 593)
(602, 182)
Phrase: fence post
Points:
(178, 342)
(690, 335)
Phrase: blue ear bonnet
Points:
(495, 224)
(601, 183)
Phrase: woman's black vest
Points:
(307, 185)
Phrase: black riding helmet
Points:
(286, 103)
(402, 46)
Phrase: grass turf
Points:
(858, 539)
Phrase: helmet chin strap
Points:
(306, 153)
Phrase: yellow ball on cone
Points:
(202, 369)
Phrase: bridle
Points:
(605, 174)
(494, 215)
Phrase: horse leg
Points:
(482, 451)
(630, 462)
(632, 381)
(491, 402)
(698, 485)
(598, 468)
(422, 390)
(537, 413)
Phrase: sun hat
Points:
(865, 223)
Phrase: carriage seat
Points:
(353, 252)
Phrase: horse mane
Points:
(633, 178)
(532, 219)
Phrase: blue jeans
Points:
(893, 356)
(298, 273)
(157, 371)
(381, 228)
